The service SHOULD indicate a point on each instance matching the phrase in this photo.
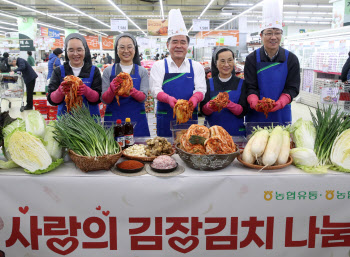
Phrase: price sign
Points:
(201, 25)
(119, 25)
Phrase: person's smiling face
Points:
(271, 39)
(76, 52)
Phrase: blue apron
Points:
(93, 108)
(180, 86)
(271, 80)
(225, 118)
(129, 107)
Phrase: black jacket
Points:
(292, 85)
(345, 70)
(55, 80)
(8, 69)
(232, 84)
(28, 73)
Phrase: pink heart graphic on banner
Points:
(106, 213)
(62, 243)
(183, 241)
(98, 207)
(23, 210)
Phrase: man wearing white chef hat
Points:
(272, 71)
(176, 77)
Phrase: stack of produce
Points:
(158, 146)
(268, 148)
(323, 143)
(155, 147)
(202, 140)
(30, 144)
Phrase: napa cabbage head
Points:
(35, 124)
(28, 151)
(303, 156)
(304, 134)
(51, 145)
(340, 154)
(17, 125)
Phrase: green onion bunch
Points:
(328, 127)
(85, 135)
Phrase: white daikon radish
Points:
(247, 155)
(259, 143)
(273, 147)
(284, 153)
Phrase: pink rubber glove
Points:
(57, 96)
(137, 95)
(281, 102)
(208, 109)
(236, 109)
(196, 98)
(109, 95)
(90, 94)
(165, 98)
(253, 100)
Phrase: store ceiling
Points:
(53, 12)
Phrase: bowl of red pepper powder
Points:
(130, 166)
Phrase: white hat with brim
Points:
(272, 15)
(176, 24)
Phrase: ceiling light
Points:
(11, 24)
(206, 8)
(45, 14)
(324, 22)
(315, 6)
(300, 21)
(242, 13)
(77, 10)
(161, 8)
(312, 22)
(288, 21)
(119, 10)
(8, 28)
(8, 15)
(240, 4)
(226, 13)
(290, 5)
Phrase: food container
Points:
(129, 170)
(249, 126)
(177, 129)
(208, 162)
(85, 163)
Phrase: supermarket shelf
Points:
(334, 73)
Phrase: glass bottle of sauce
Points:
(119, 134)
(129, 133)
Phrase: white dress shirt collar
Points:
(172, 63)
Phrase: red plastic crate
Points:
(43, 110)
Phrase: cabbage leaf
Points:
(35, 124)
(340, 154)
(304, 134)
(52, 166)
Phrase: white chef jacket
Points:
(158, 71)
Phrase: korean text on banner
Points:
(157, 27)
(92, 42)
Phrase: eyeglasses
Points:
(79, 51)
(123, 48)
(270, 34)
(229, 61)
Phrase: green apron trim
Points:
(173, 78)
(228, 91)
(108, 114)
(265, 68)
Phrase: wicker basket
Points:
(145, 159)
(105, 162)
